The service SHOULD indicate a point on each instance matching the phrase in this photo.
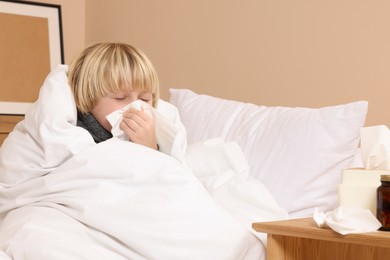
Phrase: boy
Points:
(107, 76)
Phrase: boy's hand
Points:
(139, 127)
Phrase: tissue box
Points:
(358, 188)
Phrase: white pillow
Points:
(298, 153)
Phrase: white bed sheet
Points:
(64, 197)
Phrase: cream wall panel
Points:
(281, 52)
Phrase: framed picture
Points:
(31, 45)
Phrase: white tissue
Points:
(347, 220)
(170, 136)
(375, 147)
(115, 118)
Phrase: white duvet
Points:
(64, 197)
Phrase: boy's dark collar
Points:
(89, 122)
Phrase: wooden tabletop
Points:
(307, 228)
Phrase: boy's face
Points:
(114, 101)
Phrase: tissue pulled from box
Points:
(347, 220)
(375, 147)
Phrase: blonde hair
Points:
(110, 67)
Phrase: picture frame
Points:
(31, 46)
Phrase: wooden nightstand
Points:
(7, 124)
(303, 239)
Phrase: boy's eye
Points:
(146, 100)
(120, 98)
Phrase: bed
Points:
(226, 165)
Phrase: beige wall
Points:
(280, 52)
(73, 25)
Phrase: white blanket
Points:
(64, 197)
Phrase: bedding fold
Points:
(116, 195)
